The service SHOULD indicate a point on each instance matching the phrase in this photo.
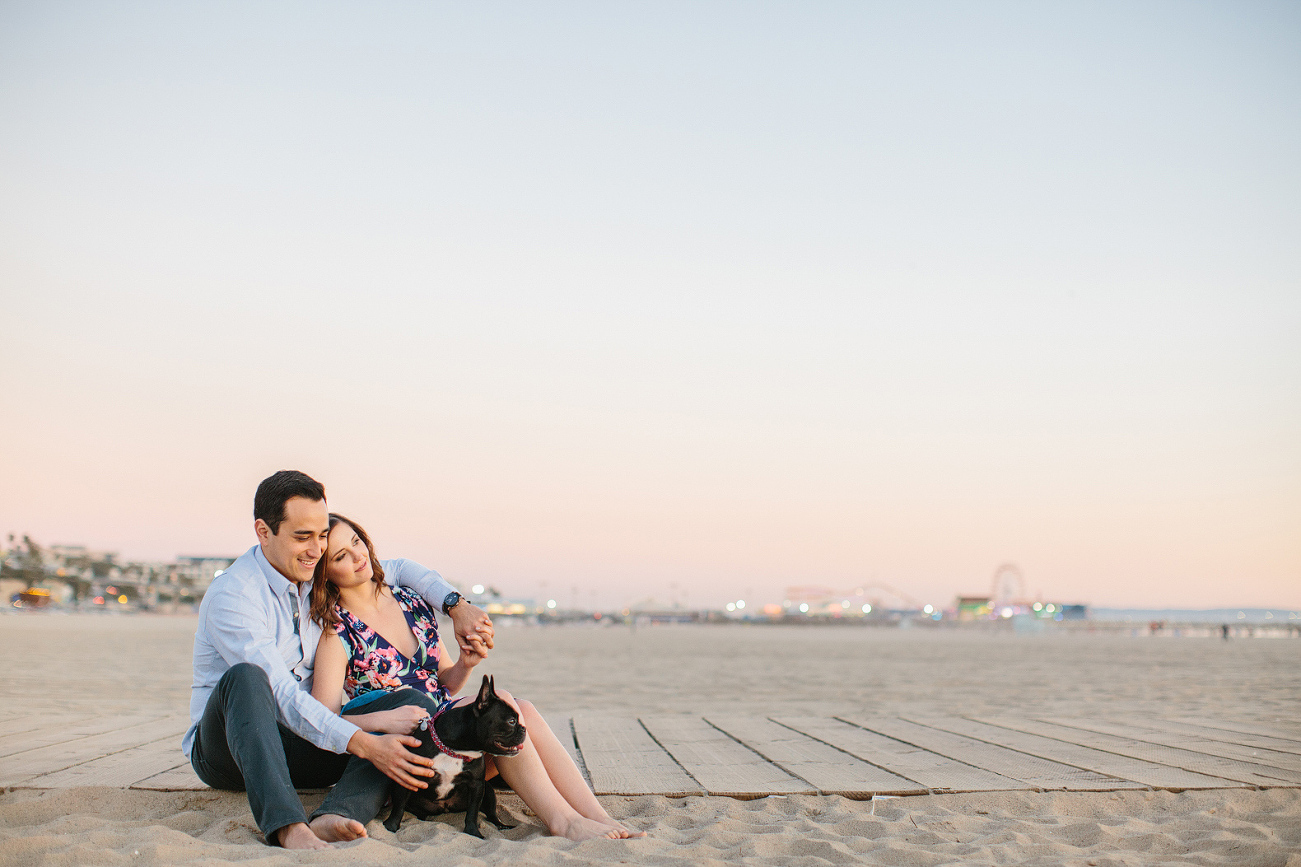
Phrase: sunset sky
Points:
(694, 301)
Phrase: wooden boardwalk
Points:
(750, 756)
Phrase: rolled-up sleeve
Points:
(428, 583)
(241, 630)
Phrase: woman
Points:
(377, 638)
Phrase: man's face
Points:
(301, 540)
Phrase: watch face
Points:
(450, 599)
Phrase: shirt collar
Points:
(279, 584)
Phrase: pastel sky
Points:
(694, 301)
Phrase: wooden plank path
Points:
(1034, 772)
(1251, 773)
(1211, 733)
(754, 756)
(1145, 774)
(929, 771)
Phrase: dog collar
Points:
(428, 725)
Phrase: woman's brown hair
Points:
(324, 594)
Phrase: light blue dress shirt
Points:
(252, 613)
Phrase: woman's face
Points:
(347, 562)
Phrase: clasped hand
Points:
(470, 622)
(473, 651)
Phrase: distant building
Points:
(202, 570)
(74, 575)
(974, 608)
(818, 601)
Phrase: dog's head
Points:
(497, 723)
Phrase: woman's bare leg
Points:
(525, 773)
(560, 768)
(564, 774)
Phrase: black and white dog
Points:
(457, 739)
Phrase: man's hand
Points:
(389, 753)
(469, 620)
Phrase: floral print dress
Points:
(377, 665)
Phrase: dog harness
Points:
(428, 725)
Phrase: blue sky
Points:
(616, 296)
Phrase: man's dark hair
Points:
(278, 489)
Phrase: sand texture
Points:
(64, 669)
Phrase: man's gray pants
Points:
(240, 746)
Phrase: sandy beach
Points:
(66, 667)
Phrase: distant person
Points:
(378, 642)
(255, 725)
(1224, 631)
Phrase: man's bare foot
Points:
(336, 829)
(582, 828)
(299, 836)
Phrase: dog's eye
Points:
(512, 721)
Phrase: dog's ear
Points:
(485, 694)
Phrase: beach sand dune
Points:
(69, 667)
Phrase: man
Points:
(255, 725)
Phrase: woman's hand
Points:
(452, 675)
(473, 652)
(398, 721)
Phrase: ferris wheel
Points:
(1008, 585)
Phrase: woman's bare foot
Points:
(337, 829)
(582, 828)
(607, 820)
(299, 836)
